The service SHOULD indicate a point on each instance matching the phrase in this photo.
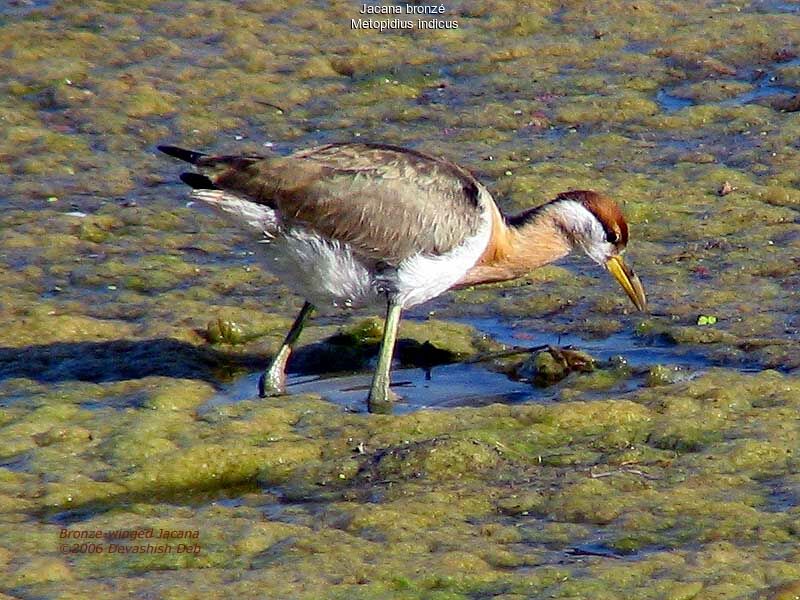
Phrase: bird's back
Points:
(387, 203)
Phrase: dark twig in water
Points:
(275, 106)
(587, 551)
(505, 353)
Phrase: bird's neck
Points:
(520, 244)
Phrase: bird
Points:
(365, 224)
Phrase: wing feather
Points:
(388, 203)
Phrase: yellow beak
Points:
(628, 280)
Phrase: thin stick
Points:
(504, 354)
(275, 106)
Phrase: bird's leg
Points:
(273, 380)
(379, 399)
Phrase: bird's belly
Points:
(325, 272)
(329, 274)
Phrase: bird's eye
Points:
(612, 237)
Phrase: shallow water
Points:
(448, 386)
(470, 384)
(133, 323)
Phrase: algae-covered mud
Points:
(657, 459)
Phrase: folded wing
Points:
(388, 203)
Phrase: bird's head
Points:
(595, 224)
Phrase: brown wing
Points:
(387, 202)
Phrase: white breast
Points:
(423, 277)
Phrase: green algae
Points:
(447, 487)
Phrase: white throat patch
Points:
(583, 229)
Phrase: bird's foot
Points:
(270, 385)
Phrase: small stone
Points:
(725, 189)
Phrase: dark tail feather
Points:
(189, 156)
(197, 181)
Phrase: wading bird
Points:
(357, 224)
